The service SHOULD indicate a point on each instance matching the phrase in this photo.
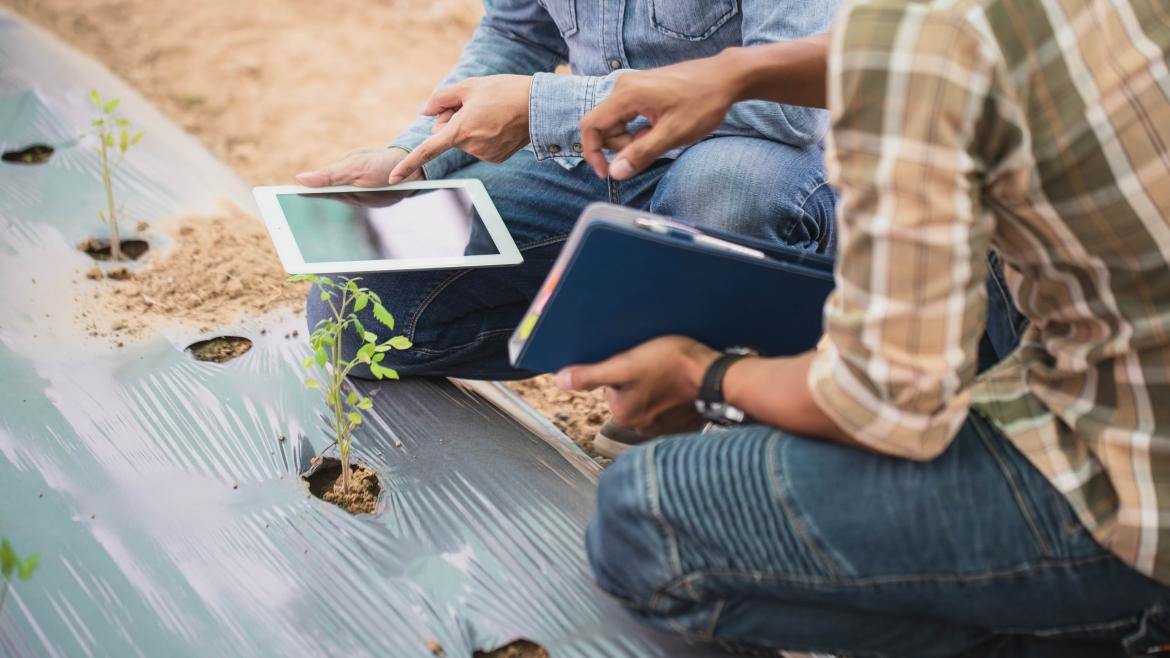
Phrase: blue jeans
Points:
(460, 321)
(756, 537)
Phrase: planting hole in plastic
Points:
(220, 349)
(35, 154)
(517, 649)
(100, 249)
(362, 498)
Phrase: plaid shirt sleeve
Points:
(908, 89)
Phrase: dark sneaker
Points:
(613, 439)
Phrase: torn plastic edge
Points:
(514, 406)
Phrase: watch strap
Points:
(711, 388)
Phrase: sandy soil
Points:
(275, 87)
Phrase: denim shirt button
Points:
(578, 148)
(615, 63)
(553, 148)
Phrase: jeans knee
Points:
(627, 541)
(752, 187)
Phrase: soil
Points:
(100, 249)
(220, 349)
(517, 649)
(362, 498)
(35, 154)
(221, 268)
(285, 87)
(578, 414)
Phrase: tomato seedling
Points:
(345, 299)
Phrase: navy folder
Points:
(625, 277)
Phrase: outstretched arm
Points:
(685, 102)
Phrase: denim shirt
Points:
(601, 39)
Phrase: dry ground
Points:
(275, 87)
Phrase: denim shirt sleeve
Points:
(558, 102)
(514, 36)
(769, 22)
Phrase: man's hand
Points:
(652, 387)
(486, 117)
(364, 167)
(684, 103)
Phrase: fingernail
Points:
(565, 379)
(620, 169)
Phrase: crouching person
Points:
(888, 501)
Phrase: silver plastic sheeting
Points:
(118, 464)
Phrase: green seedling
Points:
(345, 299)
(11, 563)
(114, 139)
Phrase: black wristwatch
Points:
(711, 405)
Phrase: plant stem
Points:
(115, 242)
(338, 407)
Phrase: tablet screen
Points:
(386, 224)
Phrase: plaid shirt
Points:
(1039, 128)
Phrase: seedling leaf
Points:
(8, 558)
(354, 418)
(400, 343)
(383, 316)
(312, 383)
(351, 398)
(360, 301)
(111, 105)
(29, 566)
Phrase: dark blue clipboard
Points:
(617, 284)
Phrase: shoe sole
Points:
(607, 447)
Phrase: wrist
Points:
(694, 367)
(743, 71)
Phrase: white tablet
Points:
(425, 225)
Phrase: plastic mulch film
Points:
(172, 520)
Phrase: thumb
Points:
(586, 378)
(447, 98)
(313, 178)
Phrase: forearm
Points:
(491, 51)
(789, 72)
(775, 392)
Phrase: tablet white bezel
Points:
(294, 262)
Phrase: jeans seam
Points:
(668, 536)
(1021, 500)
(795, 523)
(872, 581)
(426, 303)
(478, 337)
(1057, 631)
(801, 205)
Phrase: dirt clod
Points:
(435, 648)
(362, 498)
(220, 349)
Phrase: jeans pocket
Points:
(563, 13)
(691, 20)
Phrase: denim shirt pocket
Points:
(564, 14)
(691, 20)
